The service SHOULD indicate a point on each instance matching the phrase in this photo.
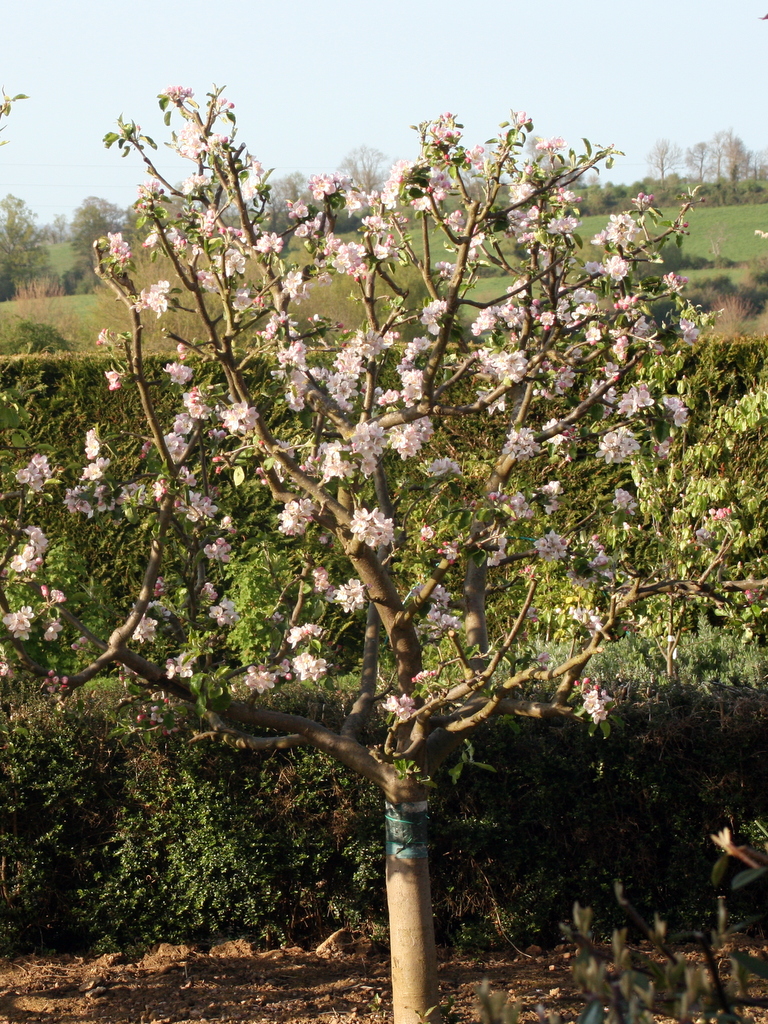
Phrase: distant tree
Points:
(735, 156)
(752, 164)
(57, 231)
(759, 167)
(289, 188)
(717, 154)
(22, 253)
(93, 219)
(366, 166)
(696, 160)
(664, 157)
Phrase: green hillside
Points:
(727, 232)
(61, 257)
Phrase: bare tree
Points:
(288, 189)
(735, 156)
(366, 166)
(754, 164)
(664, 157)
(57, 231)
(696, 159)
(717, 154)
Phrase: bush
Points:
(27, 337)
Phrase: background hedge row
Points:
(111, 843)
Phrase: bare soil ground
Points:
(345, 983)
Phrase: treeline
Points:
(725, 170)
(598, 197)
(25, 265)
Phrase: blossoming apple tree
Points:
(413, 473)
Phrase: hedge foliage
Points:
(112, 843)
(108, 842)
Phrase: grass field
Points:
(75, 317)
(727, 232)
(60, 257)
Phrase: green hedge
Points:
(108, 843)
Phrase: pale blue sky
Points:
(311, 80)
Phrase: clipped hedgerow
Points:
(115, 843)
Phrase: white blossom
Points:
(551, 547)
(307, 667)
(372, 527)
(351, 596)
(19, 623)
(617, 445)
(145, 631)
(258, 679)
(224, 612)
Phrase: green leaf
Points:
(238, 476)
(745, 877)
(719, 868)
(593, 1014)
(752, 964)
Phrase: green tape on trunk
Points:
(406, 830)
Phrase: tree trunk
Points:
(415, 995)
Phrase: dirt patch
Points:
(234, 982)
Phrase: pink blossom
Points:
(177, 93)
(690, 331)
(224, 612)
(179, 373)
(190, 142)
(617, 446)
(298, 634)
(677, 408)
(259, 680)
(196, 406)
(218, 550)
(594, 704)
(36, 473)
(155, 298)
(550, 145)
(431, 314)
(372, 527)
(145, 631)
(296, 516)
(444, 467)
(616, 267)
(551, 547)
(182, 666)
(119, 250)
(402, 707)
(634, 400)
(521, 445)
(624, 501)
